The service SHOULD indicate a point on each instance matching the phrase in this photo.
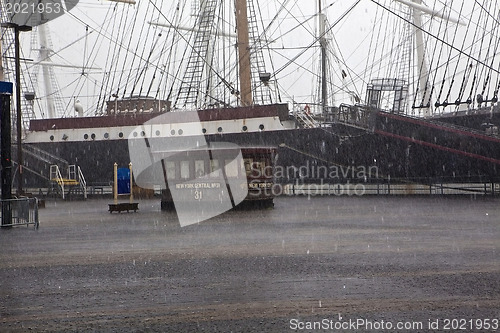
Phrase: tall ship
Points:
(424, 116)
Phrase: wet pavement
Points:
(350, 264)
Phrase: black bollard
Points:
(5, 133)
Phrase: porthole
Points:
(204, 130)
(157, 133)
(172, 132)
(51, 138)
(135, 134)
(120, 135)
(261, 127)
(143, 133)
(106, 135)
(245, 128)
(86, 136)
(92, 136)
(180, 132)
(219, 130)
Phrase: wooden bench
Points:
(124, 206)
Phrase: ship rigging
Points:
(243, 78)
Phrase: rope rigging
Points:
(445, 102)
(487, 81)
(480, 66)
(467, 72)
(151, 64)
(151, 30)
(132, 28)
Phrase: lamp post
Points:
(17, 29)
(6, 164)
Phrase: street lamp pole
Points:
(19, 126)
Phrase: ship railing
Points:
(82, 182)
(464, 128)
(35, 172)
(21, 211)
(356, 115)
(55, 176)
(376, 186)
(305, 119)
(44, 156)
(487, 132)
(75, 177)
(361, 189)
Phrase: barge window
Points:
(184, 169)
(199, 168)
(170, 166)
(248, 166)
(214, 168)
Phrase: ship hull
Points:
(387, 147)
(306, 155)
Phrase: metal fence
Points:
(321, 188)
(22, 211)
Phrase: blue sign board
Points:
(6, 87)
(123, 177)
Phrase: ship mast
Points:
(48, 73)
(243, 53)
(1, 57)
(323, 45)
(424, 88)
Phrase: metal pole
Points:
(18, 113)
(115, 183)
(131, 185)
(5, 130)
(19, 127)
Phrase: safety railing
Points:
(22, 211)
(305, 119)
(321, 187)
(55, 176)
(83, 182)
